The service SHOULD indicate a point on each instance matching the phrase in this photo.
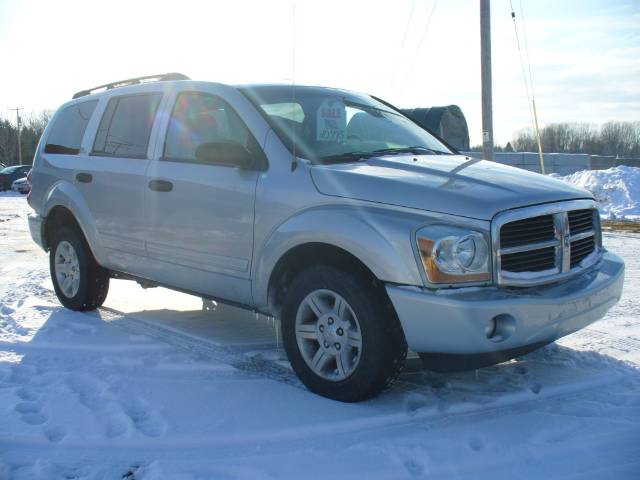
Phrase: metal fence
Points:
(560, 163)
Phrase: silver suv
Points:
(331, 210)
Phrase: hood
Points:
(450, 184)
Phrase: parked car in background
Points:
(328, 209)
(8, 175)
(21, 185)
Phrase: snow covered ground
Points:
(616, 189)
(154, 387)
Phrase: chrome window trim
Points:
(562, 243)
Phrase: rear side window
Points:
(68, 129)
(126, 125)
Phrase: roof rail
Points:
(133, 81)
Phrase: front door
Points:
(200, 231)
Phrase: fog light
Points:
(501, 327)
(491, 328)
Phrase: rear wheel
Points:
(341, 334)
(79, 282)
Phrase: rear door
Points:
(200, 230)
(63, 152)
(112, 179)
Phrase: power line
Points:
(393, 79)
(406, 28)
(526, 50)
(426, 27)
(412, 63)
(533, 95)
(531, 99)
(524, 74)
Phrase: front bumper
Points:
(35, 227)
(481, 320)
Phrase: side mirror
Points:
(231, 154)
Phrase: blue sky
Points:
(585, 55)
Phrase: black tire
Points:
(384, 348)
(94, 280)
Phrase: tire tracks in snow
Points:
(256, 366)
(237, 357)
(395, 420)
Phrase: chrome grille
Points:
(580, 221)
(580, 249)
(528, 230)
(543, 244)
(530, 261)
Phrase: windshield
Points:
(9, 170)
(328, 125)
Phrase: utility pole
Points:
(17, 110)
(485, 67)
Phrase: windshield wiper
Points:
(347, 157)
(356, 156)
(416, 149)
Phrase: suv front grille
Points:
(580, 221)
(546, 245)
(528, 230)
(530, 261)
(580, 249)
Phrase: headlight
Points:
(453, 255)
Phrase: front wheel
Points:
(341, 334)
(79, 282)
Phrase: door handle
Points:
(84, 177)
(160, 185)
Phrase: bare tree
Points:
(33, 126)
(612, 138)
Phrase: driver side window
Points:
(200, 118)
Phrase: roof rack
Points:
(133, 81)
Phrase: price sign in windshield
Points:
(332, 121)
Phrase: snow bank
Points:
(616, 189)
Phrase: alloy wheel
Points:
(328, 335)
(67, 268)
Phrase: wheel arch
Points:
(306, 255)
(350, 237)
(59, 216)
(64, 205)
